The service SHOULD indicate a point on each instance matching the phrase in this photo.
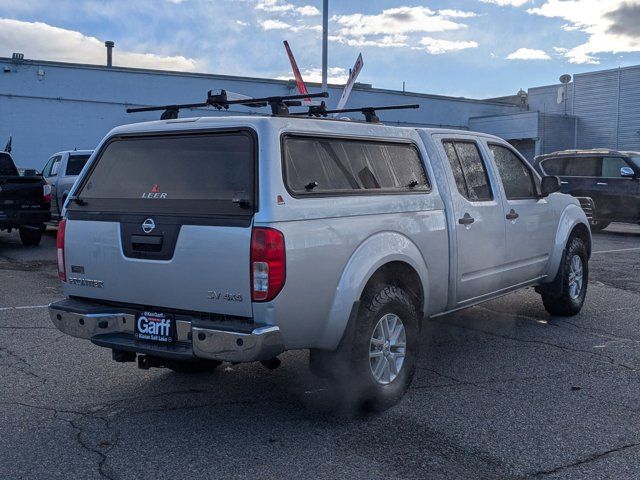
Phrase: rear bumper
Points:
(17, 218)
(113, 328)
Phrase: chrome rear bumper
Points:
(114, 329)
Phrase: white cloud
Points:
(610, 25)
(39, 40)
(456, 13)
(308, 11)
(528, 54)
(400, 20)
(399, 26)
(336, 75)
(241, 23)
(504, 3)
(436, 46)
(385, 41)
(278, 6)
(274, 25)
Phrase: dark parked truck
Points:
(25, 202)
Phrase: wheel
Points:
(30, 237)
(598, 225)
(565, 295)
(376, 360)
(199, 366)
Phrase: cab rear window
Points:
(344, 166)
(209, 173)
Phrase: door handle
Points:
(466, 220)
(602, 184)
(564, 183)
(512, 215)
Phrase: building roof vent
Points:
(109, 44)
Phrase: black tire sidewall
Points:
(576, 247)
(373, 395)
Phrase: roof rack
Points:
(221, 100)
(368, 112)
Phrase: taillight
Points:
(46, 193)
(268, 264)
(62, 271)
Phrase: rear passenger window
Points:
(323, 165)
(583, 167)
(469, 170)
(517, 179)
(76, 163)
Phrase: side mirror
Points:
(627, 172)
(30, 172)
(549, 185)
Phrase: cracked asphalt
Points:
(503, 390)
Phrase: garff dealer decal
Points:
(153, 326)
(86, 282)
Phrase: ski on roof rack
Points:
(222, 99)
(368, 112)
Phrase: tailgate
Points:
(207, 269)
(16, 192)
(164, 221)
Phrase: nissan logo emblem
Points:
(148, 225)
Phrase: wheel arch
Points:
(572, 221)
(379, 257)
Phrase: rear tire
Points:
(30, 238)
(375, 362)
(199, 366)
(598, 225)
(565, 295)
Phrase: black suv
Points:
(607, 182)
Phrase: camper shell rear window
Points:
(208, 173)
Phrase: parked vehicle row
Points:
(606, 181)
(187, 243)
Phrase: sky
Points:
(471, 48)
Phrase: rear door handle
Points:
(602, 184)
(564, 183)
(466, 220)
(512, 215)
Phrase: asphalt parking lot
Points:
(503, 390)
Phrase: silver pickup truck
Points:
(61, 171)
(190, 242)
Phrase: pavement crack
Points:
(589, 459)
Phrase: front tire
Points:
(29, 237)
(565, 295)
(375, 363)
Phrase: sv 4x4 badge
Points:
(229, 297)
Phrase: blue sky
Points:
(473, 48)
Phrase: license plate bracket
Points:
(156, 327)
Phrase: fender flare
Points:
(571, 216)
(373, 253)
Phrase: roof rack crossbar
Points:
(368, 112)
(279, 104)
